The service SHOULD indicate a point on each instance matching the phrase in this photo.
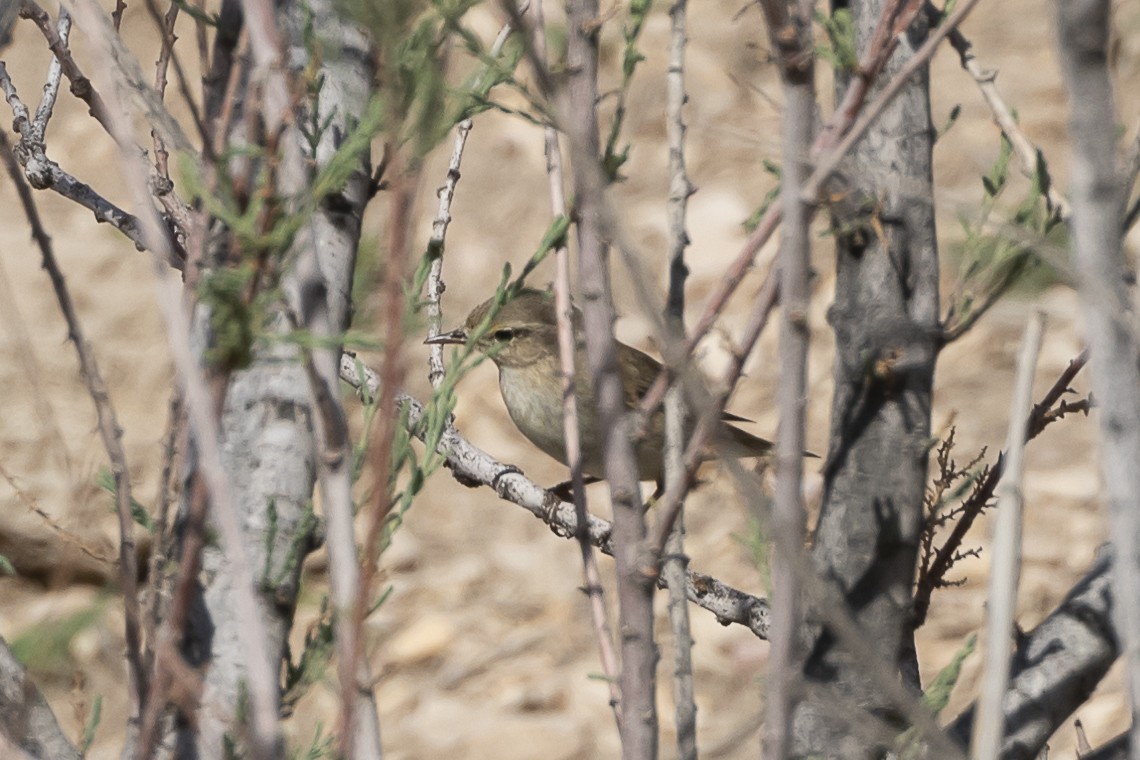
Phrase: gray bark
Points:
(1056, 666)
(1098, 197)
(26, 719)
(269, 416)
(886, 320)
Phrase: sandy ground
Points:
(484, 648)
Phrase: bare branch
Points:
(567, 351)
(1028, 154)
(789, 32)
(109, 431)
(51, 87)
(635, 586)
(1006, 567)
(1043, 413)
(43, 173)
(828, 162)
(675, 561)
(1097, 194)
(446, 194)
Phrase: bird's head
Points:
(522, 332)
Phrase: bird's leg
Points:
(565, 489)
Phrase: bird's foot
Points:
(496, 482)
(565, 490)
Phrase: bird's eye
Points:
(504, 334)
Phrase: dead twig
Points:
(109, 431)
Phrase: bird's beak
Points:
(457, 336)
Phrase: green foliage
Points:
(937, 695)
(316, 652)
(46, 648)
(321, 746)
(759, 546)
(753, 221)
(951, 120)
(300, 534)
(612, 158)
(935, 699)
(235, 320)
(492, 71)
(92, 725)
(414, 39)
(105, 479)
(993, 259)
(842, 53)
(367, 277)
(6, 566)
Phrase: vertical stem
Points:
(1006, 550)
(635, 585)
(1095, 233)
(567, 350)
(675, 561)
(791, 26)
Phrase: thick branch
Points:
(25, 716)
(1056, 666)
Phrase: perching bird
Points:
(522, 340)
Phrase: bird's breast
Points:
(535, 406)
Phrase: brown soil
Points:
(484, 648)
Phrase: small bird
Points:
(522, 340)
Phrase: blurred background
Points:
(483, 649)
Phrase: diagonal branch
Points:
(472, 466)
(1056, 666)
(26, 719)
(109, 431)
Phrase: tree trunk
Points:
(268, 421)
(886, 322)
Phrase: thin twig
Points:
(51, 87)
(42, 173)
(567, 351)
(435, 286)
(789, 31)
(109, 431)
(81, 86)
(829, 161)
(1041, 415)
(446, 193)
(675, 560)
(161, 545)
(166, 27)
(635, 589)
(65, 535)
(1028, 154)
(392, 376)
(668, 506)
